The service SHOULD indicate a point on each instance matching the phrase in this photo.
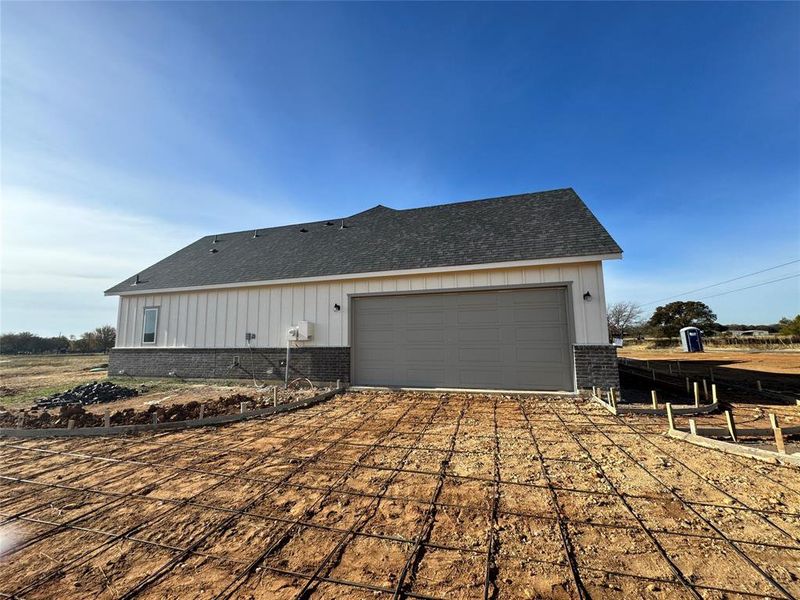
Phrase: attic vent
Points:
(255, 233)
(303, 230)
(213, 250)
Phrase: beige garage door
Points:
(514, 339)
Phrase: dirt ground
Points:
(749, 360)
(398, 494)
(26, 378)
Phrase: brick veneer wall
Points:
(319, 364)
(596, 365)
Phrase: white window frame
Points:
(155, 325)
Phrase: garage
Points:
(510, 339)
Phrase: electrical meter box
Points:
(302, 332)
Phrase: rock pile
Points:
(89, 393)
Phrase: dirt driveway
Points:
(398, 494)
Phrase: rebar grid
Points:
(489, 505)
(92, 552)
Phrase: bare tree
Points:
(622, 316)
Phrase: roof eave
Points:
(374, 274)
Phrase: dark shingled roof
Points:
(542, 225)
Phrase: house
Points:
(503, 293)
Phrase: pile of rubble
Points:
(89, 393)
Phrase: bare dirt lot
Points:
(398, 494)
(24, 378)
(754, 360)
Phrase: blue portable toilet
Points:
(691, 339)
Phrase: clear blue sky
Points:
(128, 130)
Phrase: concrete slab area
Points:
(399, 494)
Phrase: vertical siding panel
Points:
(433, 282)
(171, 328)
(349, 287)
(183, 319)
(448, 280)
(480, 279)
(253, 314)
(119, 320)
(573, 274)
(275, 300)
(463, 280)
(310, 303)
(497, 277)
(324, 310)
(600, 313)
(136, 322)
(374, 285)
(240, 328)
(262, 330)
(335, 327)
(403, 284)
(201, 323)
(220, 318)
(286, 313)
(514, 277)
(389, 284)
(189, 338)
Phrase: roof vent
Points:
(215, 239)
(255, 233)
(343, 226)
(137, 281)
(303, 230)
(213, 250)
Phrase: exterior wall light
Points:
(587, 296)
(336, 308)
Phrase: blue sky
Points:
(130, 129)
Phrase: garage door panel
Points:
(538, 314)
(541, 333)
(485, 335)
(503, 339)
(540, 355)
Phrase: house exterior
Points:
(503, 293)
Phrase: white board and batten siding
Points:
(219, 318)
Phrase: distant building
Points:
(748, 333)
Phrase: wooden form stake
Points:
(338, 383)
(243, 407)
(613, 396)
(670, 368)
(714, 393)
(688, 387)
(779, 444)
(696, 387)
(106, 418)
(711, 372)
(705, 390)
(731, 425)
(155, 418)
(202, 410)
(71, 424)
(758, 384)
(692, 426)
(654, 396)
(670, 417)
(275, 396)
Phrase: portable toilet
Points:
(691, 339)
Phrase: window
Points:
(150, 324)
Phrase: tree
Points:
(673, 317)
(105, 337)
(622, 316)
(789, 326)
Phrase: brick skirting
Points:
(319, 364)
(596, 364)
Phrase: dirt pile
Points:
(90, 393)
(33, 419)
